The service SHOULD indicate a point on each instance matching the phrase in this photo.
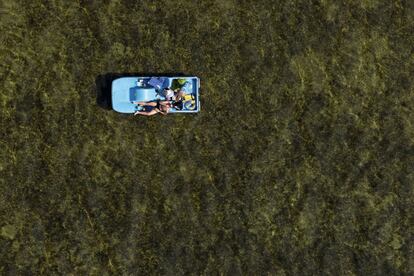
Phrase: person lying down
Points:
(152, 108)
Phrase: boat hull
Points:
(127, 90)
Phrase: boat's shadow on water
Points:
(104, 83)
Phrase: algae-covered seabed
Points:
(301, 161)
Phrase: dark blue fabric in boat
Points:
(158, 83)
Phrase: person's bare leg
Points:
(145, 113)
(146, 103)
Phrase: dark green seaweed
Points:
(300, 162)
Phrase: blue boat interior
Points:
(128, 90)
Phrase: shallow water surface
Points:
(299, 163)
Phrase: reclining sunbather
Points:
(152, 108)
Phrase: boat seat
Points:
(142, 94)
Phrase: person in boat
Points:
(173, 95)
(152, 108)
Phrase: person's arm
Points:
(180, 95)
(163, 112)
(146, 103)
(164, 102)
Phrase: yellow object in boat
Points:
(188, 97)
